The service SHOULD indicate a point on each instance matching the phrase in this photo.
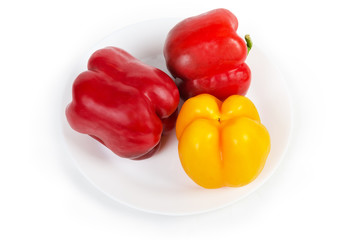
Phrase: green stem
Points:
(248, 43)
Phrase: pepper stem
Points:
(248, 43)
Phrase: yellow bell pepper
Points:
(221, 143)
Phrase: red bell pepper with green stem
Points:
(206, 55)
(122, 103)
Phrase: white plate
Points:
(159, 184)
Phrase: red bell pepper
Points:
(205, 55)
(122, 102)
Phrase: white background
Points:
(314, 194)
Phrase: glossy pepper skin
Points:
(205, 55)
(122, 103)
(221, 143)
